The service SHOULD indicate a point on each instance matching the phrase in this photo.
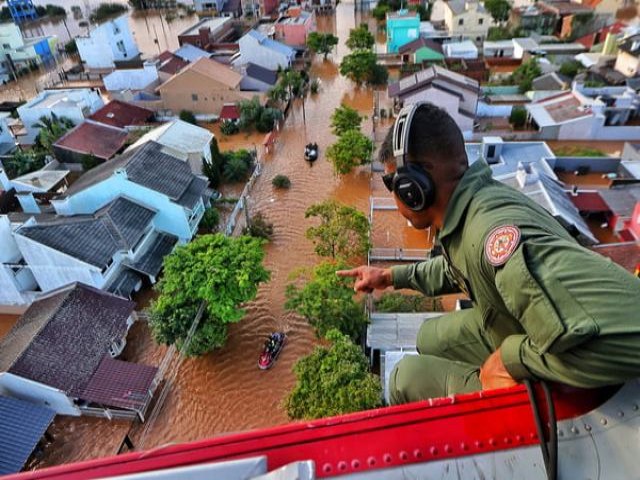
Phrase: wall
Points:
(38, 393)
(579, 129)
(449, 102)
(486, 110)
(100, 49)
(471, 26)
(9, 253)
(627, 64)
(10, 293)
(401, 31)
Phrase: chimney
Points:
(526, 174)
(492, 149)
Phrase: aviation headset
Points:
(411, 183)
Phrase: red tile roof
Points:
(171, 63)
(229, 112)
(122, 114)
(102, 141)
(116, 383)
(624, 254)
(590, 202)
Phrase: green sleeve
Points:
(431, 277)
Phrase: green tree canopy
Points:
(345, 118)
(380, 11)
(499, 9)
(333, 380)
(188, 116)
(253, 114)
(518, 117)
(343, 232)
(353, 148)
(326, 300)
(321, 43)
(360, 38)
(359, 66)
(22, 162)
(571, 68)
(51, 129)
(222, 271)
(523, 75)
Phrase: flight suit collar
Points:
(478, 174)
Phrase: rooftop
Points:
(212, 23)
(631, 45)
(170, 63)
(211, 69)
(461, 6)
(426, 77)
(300, 19)
(418, 43)
(40, 180)
(58, 98)
(191, 53)
(564, 7)
(511, 155)
(402, 14)
(181, 137)
(563, 108)
(260, 73)
(131, 79)
(121, 114)
(230, 111)
(93, 138)
(272, 44)
(62, 337)
(626, 255)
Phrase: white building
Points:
(17, 52)
(107, 44)
(134, 79)
(75, 104)
(255, 47)
(463, 49)
(467, 18)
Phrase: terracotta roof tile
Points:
(122, 114)
(102, 141)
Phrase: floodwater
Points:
(224, 391)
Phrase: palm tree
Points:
(51, 129)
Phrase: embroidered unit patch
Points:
(501, 243)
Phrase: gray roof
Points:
(124, 283)
(621, 200)
(390, 331)
(550, 81)
(150, 263)
(94, 239)
(61, 339)
(197, 189)
(148, 165)
(263, 74)
(431, 75)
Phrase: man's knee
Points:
(410, 380)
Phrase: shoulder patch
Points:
(501, 243)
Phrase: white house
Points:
(257, 48)
(17, 52)
(107, 44)
(75, 104)
(133, 79)
(467, 18)
(181, 140)
(457, 94)
(461, 49)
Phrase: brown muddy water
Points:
(224, 391)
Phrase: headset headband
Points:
(401, 130)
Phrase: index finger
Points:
(347, 273)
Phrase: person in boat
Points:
(544, 307)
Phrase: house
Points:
(148, 175)
(533, 19)
(209, 6)
(207, 31)
(403, 27)
(457, 94)
(600, 35)
(551, 81)
(61, 354)
(575, 115)
(119, 241)
(545, 45)
(631, 152)
(498, 48)
(122, 115)
(7, 139)
(182, 140)
(22, 10)
(604, 7)
(257, 78)
(203, 87)
(460, 49)
(421, 50)
(230, 113)
(257, 48)
(169, 64)
(628, 59)
(133, 79)
(191, 53)
(566, 12)
(75, 104)
(22, 426)
(108, 45)
(90, 139)
(294, 26)
(37, 187)
(467, 18)
(18, 52)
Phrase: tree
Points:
(393, 302)
(222, 271)
(229, 127)
(499, 33)
(89, 161)
(499, 9)
(188, 116)
(343, 232)
(51, 129)
(210, 219)
(237, 165)
(326, 301)
(353, 148)
(380, 11)
(345, 118)
(321, 43)
(358, 66)
(70, 47)
(281, 181)
(21, 163)
(333, 380)
(571, 68)
(259, 227)
(523, 75)
(252, 113)
(360, 38)
(106, 10)
(518, 117)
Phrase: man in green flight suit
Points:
(543, 306)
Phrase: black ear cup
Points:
(414, 187)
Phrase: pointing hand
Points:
(368, 279)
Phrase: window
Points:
(480, 21)
(6, 45)
(120, 45)
(461, 21)
(194, 97)
(491, 151)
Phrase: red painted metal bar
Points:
(414, 433)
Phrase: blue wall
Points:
(402, 28)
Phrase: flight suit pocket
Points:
(528, 302)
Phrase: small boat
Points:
(272, 348)
(311, 152)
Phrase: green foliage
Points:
(333, 380)
(577, 151)
(55, 10)
(523, 75)
(424, 12)
(499, 9)
(236, 165)
(353, 148)
(89, 161)
(518, 117)
(359, 66)
(343, 232)
(321, 43)
(326, 300)
(222, 271)
(51, 129)
(229, 127)
(188, 116)
(393, 302)
(107, 10)
(380, 11)
(253, 114)
(345, 118)
(571, 68)
(259, 227)
(499, 33)
(314, 86)
(379, 75)
(210, 219)
(23, 162)
(70, 47)
(281, 181)
(360, 38)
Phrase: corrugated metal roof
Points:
(22, 424)
(116, 383)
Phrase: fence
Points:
(398, 254)
(242, 205)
